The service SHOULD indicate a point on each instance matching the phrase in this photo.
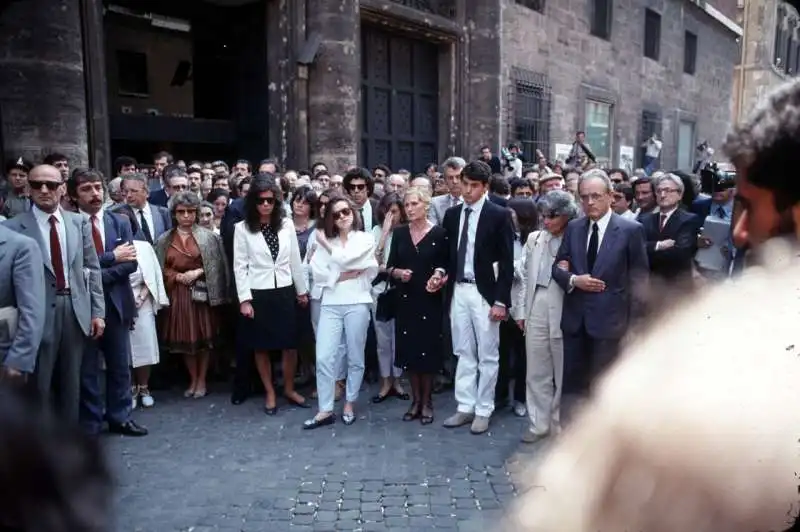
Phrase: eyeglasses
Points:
(179, 188)
(357, 187)
(37, 185)
(666, 190)
(185, 212)
(550, 215)
(342, 213)
(266, 201)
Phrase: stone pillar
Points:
(42, 88)
(334, 93)
(484, 82)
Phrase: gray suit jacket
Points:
(621, 263)
(439, 205)
(21, 287)
(161, 220)
(537, 249)
(85, 281)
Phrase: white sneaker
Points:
(146, 399)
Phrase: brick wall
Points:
(578, 66)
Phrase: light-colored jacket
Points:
(535, 251)
(215, 265)
(438, 207)
(85, 280)
(152, 274)
(22, 298)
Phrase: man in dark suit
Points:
(74, 301)
(153, 220)
(671, 233)
(602, 267)
(479, 272)
(113, 242)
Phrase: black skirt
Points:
(274, 323)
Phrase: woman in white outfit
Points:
(150, 295)
(344, 265)
(391, 214)
(537, 304)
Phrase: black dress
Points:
(419, 315)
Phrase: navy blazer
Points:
(234, 213)
(116, 282)
(621, 263)
(494, 243)
(682, 228)
(158, 197)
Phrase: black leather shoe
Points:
(238, 398)
(129, 428)
(315, 423)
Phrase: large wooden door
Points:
(399, 101)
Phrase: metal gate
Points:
(399, 101)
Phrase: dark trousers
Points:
(513, 364)
(245, 365)
(586, 357)
(115, 348)
(371, 352)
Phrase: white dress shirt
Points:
(602, 225)
(43, 221)
(357, 254)
(253, 267)
(366, 214)
(472, 231)
(147, 212)
(100, 224)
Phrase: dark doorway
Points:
(399, 101)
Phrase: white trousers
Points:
(476, 342)
(545, 372)
(352, 321)
(341, 368)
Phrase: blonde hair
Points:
(423, 195)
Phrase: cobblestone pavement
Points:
(208, 466)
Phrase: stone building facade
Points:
(770, 51)
(403, 82)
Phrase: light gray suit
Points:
(68, 316)
(21, 287)
(439, 205)
(541, 306)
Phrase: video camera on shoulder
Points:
(716, 177)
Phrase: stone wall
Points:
(578, 66)
(42, 89)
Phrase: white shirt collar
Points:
(44, 218)
(477, 206)
(602, 223)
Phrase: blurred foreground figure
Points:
(698, 427)
(52, 477)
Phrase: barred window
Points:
(529, 112)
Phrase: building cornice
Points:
(717, 15)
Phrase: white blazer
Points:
(357, 254)
(253, 267)
(535, 251)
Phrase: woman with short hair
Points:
(196, 279)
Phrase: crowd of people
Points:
(530, 276)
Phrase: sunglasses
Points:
(266, 201)
(185, 212)
(357, 187)
(551, 215)
(342, 213)
(37, 185)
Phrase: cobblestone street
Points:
(208, 465)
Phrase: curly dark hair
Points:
(252, 218)
(54, 478)
(766, 147)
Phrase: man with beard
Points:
(702, 438)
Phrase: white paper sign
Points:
(718, 231)
(562, 151)
(626, 158)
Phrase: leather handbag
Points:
(387, 303)
(200, 292)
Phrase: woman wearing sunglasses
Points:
(344, 265)
(270, 282)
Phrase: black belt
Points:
(63, 292)
(466, 281)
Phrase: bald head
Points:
(44, 170)
(46, 185)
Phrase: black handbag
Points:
(387, 303)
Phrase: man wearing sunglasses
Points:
(359, 185)
(73, 290)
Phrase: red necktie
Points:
(55, 255)
(663, 222)
(98, 240)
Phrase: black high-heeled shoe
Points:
(426, 420)
(315, 423)
(379, 398)
(413, 413)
